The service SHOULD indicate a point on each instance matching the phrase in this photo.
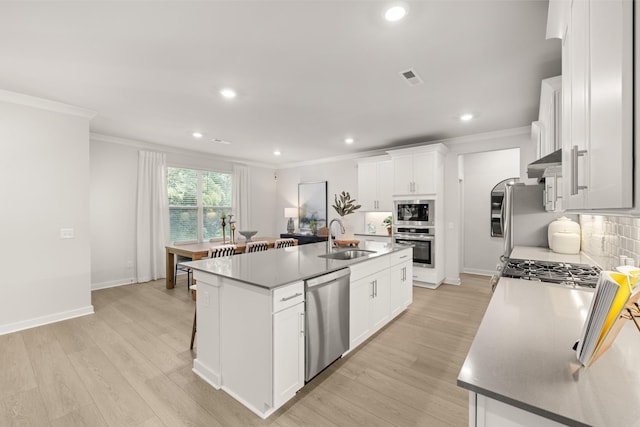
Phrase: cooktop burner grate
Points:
(553, 272)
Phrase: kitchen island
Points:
(521, 369)
(251, 314)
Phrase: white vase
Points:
(348, 229)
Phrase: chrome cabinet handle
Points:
(375, 286)
(291, 297)
(373, 292)
(575, 153)
(301, 325)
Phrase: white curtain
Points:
(240, 196)
(152, 225)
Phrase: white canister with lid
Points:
(564, 236)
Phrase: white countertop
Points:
(546, 254)
(277, 267)
(522, 355)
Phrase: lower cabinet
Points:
(487, 412)
(401, 293)
(378, 297)
(251, 340)
(288, 353)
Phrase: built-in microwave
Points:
(414, 212)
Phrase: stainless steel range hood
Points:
(537, 169)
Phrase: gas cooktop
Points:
(553, 272)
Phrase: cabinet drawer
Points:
(402, 256)
(288, 296)
(370, 266)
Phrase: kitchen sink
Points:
(347, 254)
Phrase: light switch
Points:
(66, 233)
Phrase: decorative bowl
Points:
(248, 234)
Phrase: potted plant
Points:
(388, 221)
(345, 205)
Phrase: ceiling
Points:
(307, 73)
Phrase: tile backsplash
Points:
(605, 238)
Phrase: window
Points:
(196, 201)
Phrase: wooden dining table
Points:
(197, 251)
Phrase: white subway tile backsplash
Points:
(605, 238)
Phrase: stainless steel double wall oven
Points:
(414, 225)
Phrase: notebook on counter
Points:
(614, 293)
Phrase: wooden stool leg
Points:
(193, 330)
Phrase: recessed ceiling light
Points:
(228, 93)
(395, 13)
(349, 140)
(466, 117)
(197, 134)
(276, 153)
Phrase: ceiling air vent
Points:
(411, 77)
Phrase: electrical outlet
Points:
(129, 264)
(66, 233)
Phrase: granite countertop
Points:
(277, 267)
(546, 254)
(522, 355)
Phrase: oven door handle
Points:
(416, 238)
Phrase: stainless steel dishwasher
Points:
(327, 320)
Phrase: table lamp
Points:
(290, 213)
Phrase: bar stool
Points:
(284, 243)
(258, 246)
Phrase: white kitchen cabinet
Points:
(380, 303)
(375, 178)
(401, 292)
(487, 412)
(255, 340)
(369, 306)
(288, 353)
(550, 116)
(597, 140)
(418, 171)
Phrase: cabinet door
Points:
(380, 304)
(288, 353)
(408, 284)
(610, 168)
(367, 185)
(402, 175)
(361, 294)
(401, 288)
(425, 168)
(385, 186)
(396, 296)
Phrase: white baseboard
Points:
(207, 374)
(452, 280)
(45, 320)
(113, 283)
(480, 271)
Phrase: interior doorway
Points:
(479, 173)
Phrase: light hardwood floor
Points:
(129, 364)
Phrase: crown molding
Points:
(45, 104)
(172, 149)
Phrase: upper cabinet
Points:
(597, 102)
(550, 116)
(419, 170)
(375, 183)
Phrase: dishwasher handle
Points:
(326, 278)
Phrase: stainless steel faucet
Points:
(329, 242)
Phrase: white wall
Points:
(341, 175)
(114, 174)
(44, 169)
(480, 173)
(114, 169)
(514, 138)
